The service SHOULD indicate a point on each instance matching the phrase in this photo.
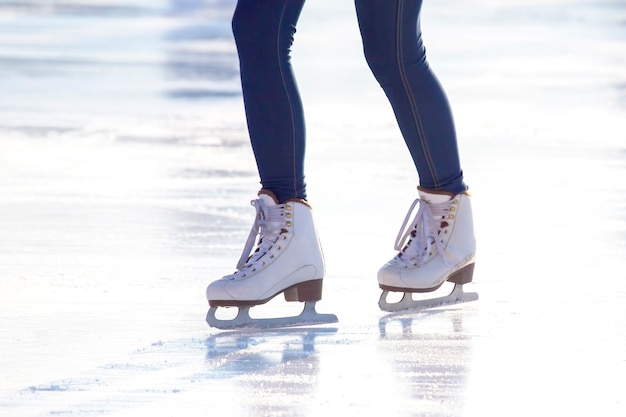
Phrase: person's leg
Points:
(438, 245)
(396, 55)
(263, 32)
(283, 252)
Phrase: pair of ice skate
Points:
(438, 245)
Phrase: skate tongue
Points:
(267, 200)
(268, 197)
(434, 198)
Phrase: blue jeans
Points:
(264, 32)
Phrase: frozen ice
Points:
(125, 176)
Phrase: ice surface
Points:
(125, 176)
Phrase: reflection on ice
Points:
(431, 355)
(256, 359)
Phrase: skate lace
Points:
(421, 240)
(265, 232)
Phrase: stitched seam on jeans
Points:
(282, 77)
(414, 110)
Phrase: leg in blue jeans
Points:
(438, 245)
(394, 51)
(264, 31)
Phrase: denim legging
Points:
(264, 32)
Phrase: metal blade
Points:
(243, 320)
(407, 302)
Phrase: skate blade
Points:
(308, 317)
(407, 302)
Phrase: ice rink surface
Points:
(125, 176)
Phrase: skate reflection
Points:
(405, 320)
(266, 365)
(228, 342)
(430, 353)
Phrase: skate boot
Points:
(438, 246)
(288, 259)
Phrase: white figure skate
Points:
(288, 259)
(441, 247)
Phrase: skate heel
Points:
(463, 275)
(305, 291)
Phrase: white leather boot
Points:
(441, 245)
(288, 258)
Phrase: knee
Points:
(388, 60)
(380, 57)
(259, 33)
